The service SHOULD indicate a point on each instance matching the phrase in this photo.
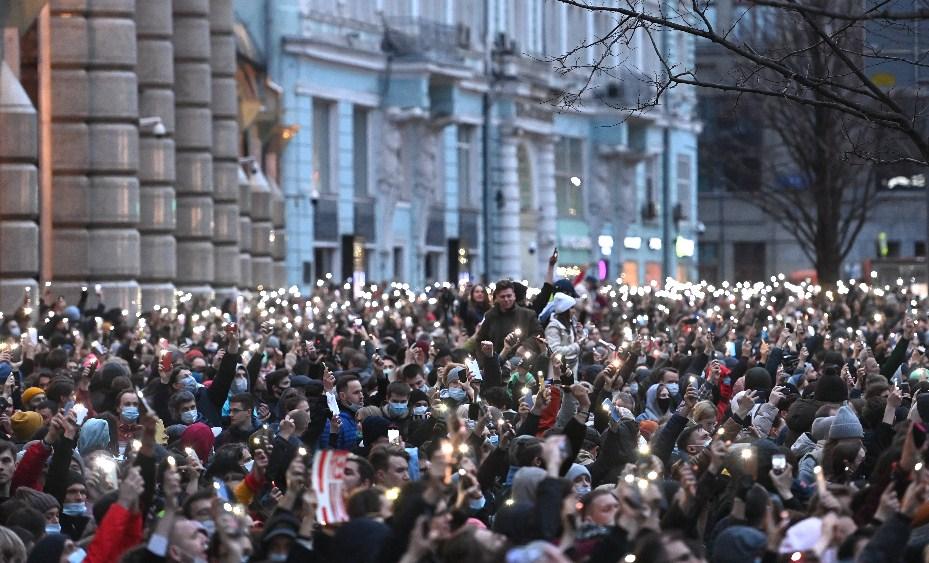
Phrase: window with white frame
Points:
(322, 139)
(465, 151)
(569, 164)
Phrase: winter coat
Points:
(29, 469)
(561, 340)
(119, 531)
(497, 324)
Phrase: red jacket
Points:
(119, 531)
(29, 471)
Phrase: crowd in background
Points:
(573, 421)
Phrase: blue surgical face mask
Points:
(74, 508)
(276, 557)
(198, 376)
(673, 389)
(189, 417)
(130, 414)
(397, 410)
(457, 394)
(634, 388)
(248, 465)
(388, 372)
(425, 388)
(581, 490)
(209, 526)
(77, 556)
(353, 407)
(420, 410)
(53, 528)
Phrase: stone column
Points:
(224, 106)
(193, 145)
(262, 265)
(112, 120)
(245, 230)
(157, 221)
(548, 208)
(70, 147)
(19, 191)
(505, 244)
(279, 240)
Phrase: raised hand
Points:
(130, 488)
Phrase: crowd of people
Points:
(577, 421)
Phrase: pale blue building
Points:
(426, 149)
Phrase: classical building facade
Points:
(123, 159)
(424, 148)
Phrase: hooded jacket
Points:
(652, 410)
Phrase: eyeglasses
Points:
(233, 410)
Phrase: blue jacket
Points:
(348, 434)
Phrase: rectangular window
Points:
(360, 150)
(631, 273)
(465, 151)
(569, 163)
(322, 139)
(308, 273)
(749, 261)
(399, 270)
(323, 258)
(893, 249)
(684, 183)
(709, 266)
(919, 248)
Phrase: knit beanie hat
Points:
(198, 436)
(831, 389)
(845, 425)
(95, 435)
(647, 428)
(175, 431)
(525, 483)
(25, 424)
(821, 427)
(373, 428)
(36, 499)
(49, 548)
(30, 394)
(757, 379)
(576, 471)
(74, 478)
(738, 543)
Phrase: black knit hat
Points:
(757, 379)
(831, 389)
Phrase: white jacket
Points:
(561, 340)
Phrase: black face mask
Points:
(664, 404)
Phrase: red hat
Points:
(198, 436)
(191, 354)
(647, 428)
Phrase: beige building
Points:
(121, 154)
